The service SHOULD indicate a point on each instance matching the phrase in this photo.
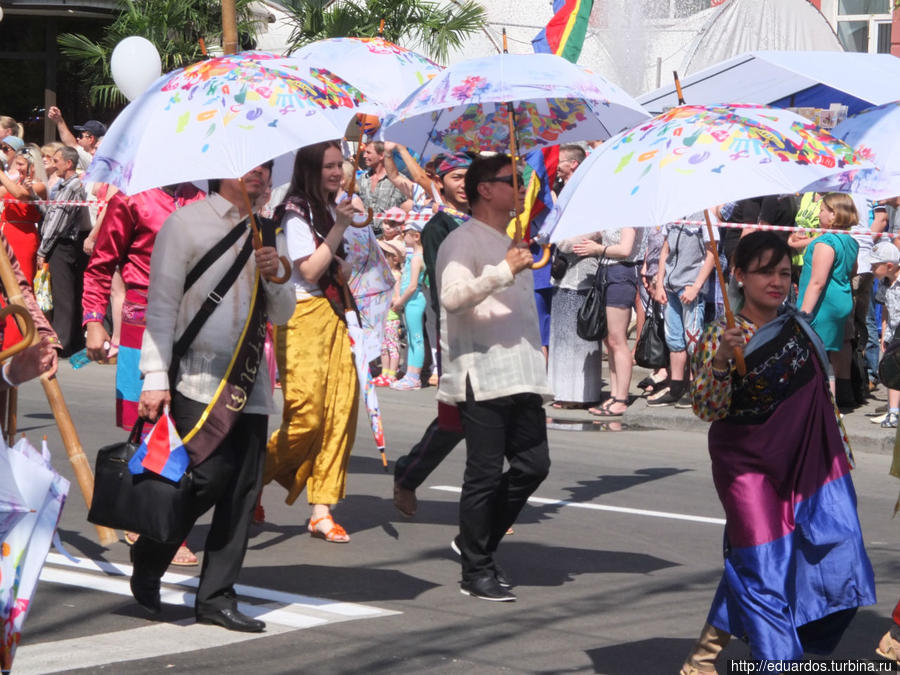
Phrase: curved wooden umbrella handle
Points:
(362, 223)
(286, 264)
(544, 259)
(30, 330)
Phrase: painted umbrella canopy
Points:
(384, 72)
(221, 117)
(555, 101)
(694, 157)
(875, 135)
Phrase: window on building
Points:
(864, 6)
(864, 25)
(673, 9)
(884, 37)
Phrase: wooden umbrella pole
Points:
(351, 190)
(729, 316)
(257, 237)
(511, 123)
(678, 88)
(71, 442)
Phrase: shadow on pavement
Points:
(349, 584)
(654, 655)
(532, 564)
(587, 490)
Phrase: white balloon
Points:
(135, 65)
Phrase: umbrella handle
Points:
(29, 331)
(367, 218)
(544, 259)
(284, 278)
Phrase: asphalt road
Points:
(615, 564)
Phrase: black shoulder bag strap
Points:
(215, 296)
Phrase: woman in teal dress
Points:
(828, 264)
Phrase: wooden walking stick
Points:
(67, 432)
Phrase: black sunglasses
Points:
(504, 179)
(5, 148)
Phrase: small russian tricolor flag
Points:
(162, 452)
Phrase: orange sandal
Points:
(335, 535)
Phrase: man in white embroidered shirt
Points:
(493, 370)
(217, 410)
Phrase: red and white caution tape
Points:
(778, 228)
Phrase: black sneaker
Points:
(668, 398)
(685, 401)
(486, 588)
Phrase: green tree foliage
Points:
(173, 26)
(436, 28)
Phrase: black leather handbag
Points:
(146, 503)
(889, 366)
(591, 321)
(651, 350)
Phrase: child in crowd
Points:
(394, 253)
(685, 264)
(885, 261)
(412, 303)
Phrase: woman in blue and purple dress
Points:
(795, 566)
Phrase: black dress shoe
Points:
(486, 588)
(146, 591)
(501, 577)
(232, 620)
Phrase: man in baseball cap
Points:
(85, 140)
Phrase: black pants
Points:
(229, 480)
(68, 262)
(514, 428)
(411, 470)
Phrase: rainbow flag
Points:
(563, 36)
(565, 32)
(162, 451)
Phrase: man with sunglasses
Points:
(493, 370)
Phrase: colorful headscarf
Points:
(448, 163)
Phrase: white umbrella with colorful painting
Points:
(511, 103)
(691, 158)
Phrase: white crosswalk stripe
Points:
(281, 611)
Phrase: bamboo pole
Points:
(229, 27)
(12, 410)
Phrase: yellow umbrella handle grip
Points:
(30, 330)
(544, 259)
(362, 223)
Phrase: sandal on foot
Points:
(336, 535)
(131, 537)
(604, 409)
(184, 557)
(565, 405)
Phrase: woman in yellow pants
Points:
(318, 378)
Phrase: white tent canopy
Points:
(788, 78)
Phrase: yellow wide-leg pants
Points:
(321, 402)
